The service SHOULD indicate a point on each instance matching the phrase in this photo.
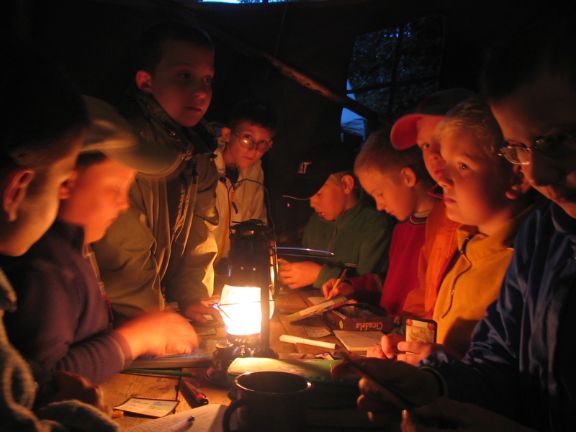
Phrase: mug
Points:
(269, 401)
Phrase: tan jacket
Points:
(237, 202)
(163, 247)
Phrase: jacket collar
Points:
(467, 236)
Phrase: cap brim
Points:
(404, 133)
(304, 188)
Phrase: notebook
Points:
(358, 341)
(206, 418)
(200, 357)
(196, 359)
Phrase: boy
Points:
(488, 197)
(519, 362)
(440, 238)
(343, 223)
(399, 184)
(162, 249)
(240, 190)
(63, 320)
(39, 137)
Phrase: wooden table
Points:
(122, 386)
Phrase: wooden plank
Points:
(122, 386)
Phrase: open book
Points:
(206, 418)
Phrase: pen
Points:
(193, 396)
(182, 426)
(355, 365)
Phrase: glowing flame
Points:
(240, 310)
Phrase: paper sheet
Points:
(148, 407)
(206, 418)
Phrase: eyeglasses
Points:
(554, 146)
(248, 142)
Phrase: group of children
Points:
(503, 304)
(133, 223)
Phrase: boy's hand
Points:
(413, 352)
(201, 313)
(389, 345)
(336, 287)
(447, 415)
(68, 385)
(418, 386)
(159, 334)
(298, 274)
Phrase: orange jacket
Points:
(435, 256)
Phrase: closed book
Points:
(358, 341)
(359, 317)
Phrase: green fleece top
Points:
(360, 236)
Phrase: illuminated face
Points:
(390, 192)
(542, 108)
(182, 81)
(474, 183)
(429, 145)
(40, 204)
(247, 144)
(331, 199)
(99, 195)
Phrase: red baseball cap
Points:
(404, 132)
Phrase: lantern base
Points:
(230, 349)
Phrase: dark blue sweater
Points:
(62, 320)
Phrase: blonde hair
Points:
(474, 115)
(378, 154)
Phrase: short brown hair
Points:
(378, 154)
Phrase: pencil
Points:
(338, 280)
(355, 365)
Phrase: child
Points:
(63, 320)
(40, 135)
(398, 182)
(163, 248)
(440, 238)
(240, 191)
(519, 362)
(343, 223)
(488, 197)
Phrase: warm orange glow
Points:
(240, 310)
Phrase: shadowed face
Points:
(247, 143)
(182, 81)
(99, 194)
(39, 205)
(389, 191)
(429, 145)
(474, 183)
(544, 108)
(331, 199)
